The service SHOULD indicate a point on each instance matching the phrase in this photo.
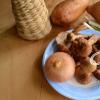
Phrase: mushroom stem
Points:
(87, 66)
(95, 48)
(81, 76)
(72, 36)
(93, 39)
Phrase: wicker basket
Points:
(31, 18)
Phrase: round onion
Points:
(59, 67)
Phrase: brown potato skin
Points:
(68, 11)
(94, 10)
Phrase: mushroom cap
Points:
(97, 74)
(81, 76)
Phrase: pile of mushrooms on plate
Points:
(74, 50)
(73, 58)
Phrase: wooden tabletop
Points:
(21, 76)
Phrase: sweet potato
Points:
(94, 10)
(68, 11)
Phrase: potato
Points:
(94, 10)
(68, 11)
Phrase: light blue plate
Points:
(72, 88)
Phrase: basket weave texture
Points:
(32, 18)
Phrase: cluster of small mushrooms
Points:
(73, 58)
(81, 48)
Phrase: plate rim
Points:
(59, 90)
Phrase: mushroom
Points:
(93, 39)
(81, 76)
(82, 47)
(97, 73)
(61, 44)
(96, 48)
(64, 41)
(87, 66)
(72, 36)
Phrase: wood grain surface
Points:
(21, 77)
